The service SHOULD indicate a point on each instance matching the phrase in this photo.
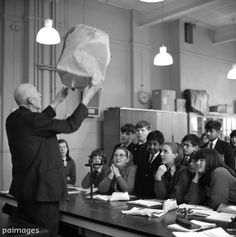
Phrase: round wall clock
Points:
(143, 97)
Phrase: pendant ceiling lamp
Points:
(48, 35)
(232, 72)
(163, 58)
(151, 0)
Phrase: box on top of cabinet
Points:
(163, 99)
(180, 105)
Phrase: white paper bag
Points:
(85, 57)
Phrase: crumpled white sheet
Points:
(138, 211)
(85, 57)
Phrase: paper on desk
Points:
(138, 211)
(146, 202)
(102, 197)
(119, 196)
(227, 208)
(116, 196)
(215, 232)
(222, 217)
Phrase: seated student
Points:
(212, 128)
(171, 179)
(143, 128)
(213, 183)
(128, 132)
(190, 144)
(100, 170)
(233, 143)
(204, 139)
(146, 170)
(122, 173)
(68, 162)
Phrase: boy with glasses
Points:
(190, 144)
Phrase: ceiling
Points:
(217, 15)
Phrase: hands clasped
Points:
(114, 172)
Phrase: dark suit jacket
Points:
(225, 149)
(37, 168)
(144, 181)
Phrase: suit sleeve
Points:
(46, 126)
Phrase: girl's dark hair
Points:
(68, 151)
(99, 152)
(213, 160)
(176, 148)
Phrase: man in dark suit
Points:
(147, 167)
(38, 177)
(212, 128)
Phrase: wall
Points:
(204, 66)
(198, 66)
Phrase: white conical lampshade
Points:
(48, 35)
(151, 0)
(163, 58)
(232, 72)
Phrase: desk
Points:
(106, 217)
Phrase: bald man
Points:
(38, 178)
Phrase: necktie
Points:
(211, 145)
(168, 175)
(151, 158)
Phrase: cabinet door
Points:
(172, 124)
(179, 126)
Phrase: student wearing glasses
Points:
(190, 144)
(214, 182)
(122, 173)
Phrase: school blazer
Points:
(37, 168)
(225, 149)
